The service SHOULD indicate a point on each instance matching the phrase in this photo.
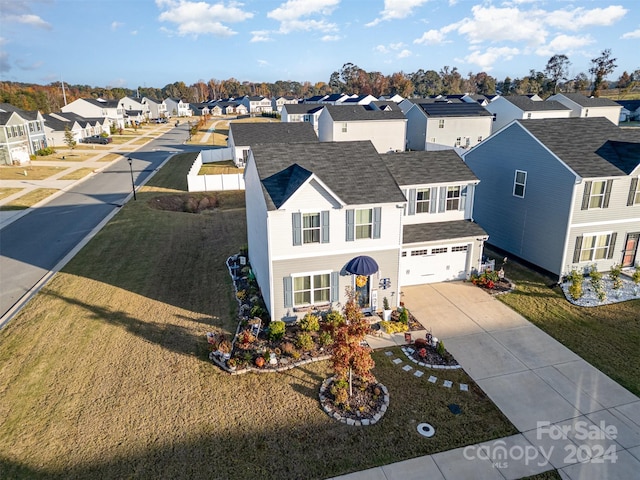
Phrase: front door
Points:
(630, 250)
(363, 294)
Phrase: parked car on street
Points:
(97, 139)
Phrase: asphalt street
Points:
(32, 245)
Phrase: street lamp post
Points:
(133, 185)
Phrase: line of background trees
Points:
(350, 79)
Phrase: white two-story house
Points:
(257, 104)
(314, 208)
(562, 194)
(177, 108)
(445, 125)
(243, 136)
(311, 209)
(582, 106)
(301, 112)
(92, 108)
(440, 241)
(385, 129)
(522, 107)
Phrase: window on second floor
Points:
(441, 123)
(596, 194)
(453, 198)
(519, 183)
(310, 227)
(344, 128)
(458, 141)
(423, 200)
(363, 223)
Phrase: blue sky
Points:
(153, 43)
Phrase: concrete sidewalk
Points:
(571, 416)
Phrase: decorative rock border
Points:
(222, 364)
(408, 351)
(419, 373)
(350, 421)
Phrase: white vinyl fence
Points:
(213, 183)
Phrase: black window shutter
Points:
(632, 191)
(577, 250)
(586, 195)
(612, 245)
(607, 194)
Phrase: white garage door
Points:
(433, 264)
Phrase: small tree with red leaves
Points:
(349, 355)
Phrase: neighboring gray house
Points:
(561, 194)
(440, 241)
(387, 130)
(243, 136)
(443, 125)
(31, 125)
(278, 102)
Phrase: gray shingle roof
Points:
(274, 132)
(526, 104)
(584, 101)
(430, 232)
(581, 143)
(387, 104)
(461, 109)
(354, 171)
(301, 108)
(417, 168)
(346, 113)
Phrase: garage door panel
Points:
(433, 267)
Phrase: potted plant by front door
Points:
(386, 313)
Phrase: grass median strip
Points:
(107, 367)
(28, 199)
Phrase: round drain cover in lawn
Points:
(426, 430)
(455, 409)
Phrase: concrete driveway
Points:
(569, 414)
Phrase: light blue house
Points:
(561, 193)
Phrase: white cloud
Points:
(496, 24)
(293, 15)
(30, 20)
(431, 37)
(396, 49)
(201, 18)
(487, 58)
(580, 18)
(330, 38)
(263, 63)
(22, 65)
(396, 10)
(565, 44)
(116, 25)
(260, 36)
(634, 34)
